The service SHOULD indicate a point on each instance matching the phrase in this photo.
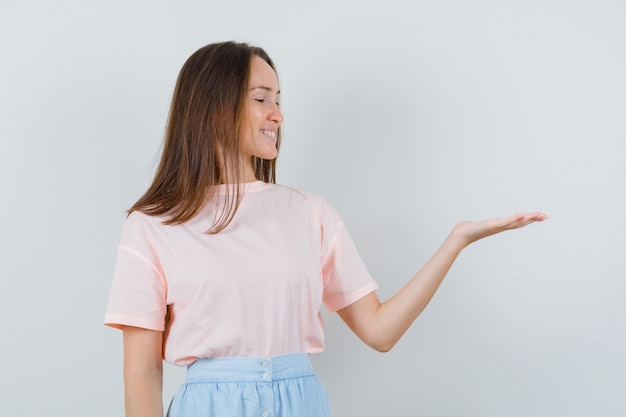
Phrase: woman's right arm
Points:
(143, 372)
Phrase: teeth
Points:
(269, 133)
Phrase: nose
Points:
(276, 115)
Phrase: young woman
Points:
(221, 270)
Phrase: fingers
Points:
(523, 219)
(470, 232)
(535, 215)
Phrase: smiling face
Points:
(262, 113)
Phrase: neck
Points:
(246, 174)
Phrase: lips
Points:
(270, 133)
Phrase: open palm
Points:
(473, 231)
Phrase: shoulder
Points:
(316, 205)
(141, 219)
(139, 225)
(306, 196)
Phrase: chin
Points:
(269, 155)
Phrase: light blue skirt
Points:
(280, 386)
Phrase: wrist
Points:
(457, 240)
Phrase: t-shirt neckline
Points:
(246, 187)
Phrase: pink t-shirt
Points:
(255, 289)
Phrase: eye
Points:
(266, 101)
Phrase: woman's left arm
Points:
(380, 325)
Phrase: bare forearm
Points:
(143, 393)
(380, 325)
(394, 316)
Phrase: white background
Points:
(408, 116)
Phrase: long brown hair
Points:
(202, 139)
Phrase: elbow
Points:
(382, 349)
(380, 339)
(380, 344)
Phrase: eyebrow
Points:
(262, 87)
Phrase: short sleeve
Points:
(139, 291)
(345, 276)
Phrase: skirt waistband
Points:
(292, 365)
